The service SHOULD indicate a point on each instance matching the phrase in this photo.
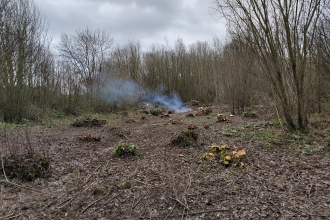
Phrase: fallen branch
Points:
(12, 216)
(181, 203)
(85, 209)
(93, 173)
(193, 213)
(106, 202)
(208, 211)
(140, 199)
(170, 212)
(19, 195)
(46, 206)
(66, 202)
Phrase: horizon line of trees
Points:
(257, 65)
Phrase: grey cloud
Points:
(145, 20)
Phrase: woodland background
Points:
(88, 71)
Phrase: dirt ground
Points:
(286, 176)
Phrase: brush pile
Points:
(26, 168)
(185, 138)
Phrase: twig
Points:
(186, 191)
(46, 206)
(106, 202)
(310, 191)
(11, 216)
(195, 213)
(140, 199)
(182, 216)
(68, 201)
(29, 145)
(170, 212)
(93, 173)
(278, 115)
(208, 211)
(3, 168)
(181, 203)
(19, 195)
(87, 207)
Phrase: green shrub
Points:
(155, 112)
(125, 150)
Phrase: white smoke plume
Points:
(118, 91)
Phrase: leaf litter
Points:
(169, 181)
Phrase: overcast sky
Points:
(149, 21)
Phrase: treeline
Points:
(284, 37)
(36, 81)
(26, 63)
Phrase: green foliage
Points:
(266, 134)
(2, 126)
(98, 191)
(309, 149)
(125, 185)
(155, 112)
(60, 113)
(125, 150)
(277, 122)
(265, 137)
(231, 133)
(5, 126)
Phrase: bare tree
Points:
(22, 44)
(238, 76)
(126, 61)
(322, 62)
(323, 34)
(281, 32)
(87, 51)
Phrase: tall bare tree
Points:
(126, 61)
(239, 77)
(87, 51)
(281, 32)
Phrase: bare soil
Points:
(286, 175)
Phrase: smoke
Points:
(119, 91)
(172, 102)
